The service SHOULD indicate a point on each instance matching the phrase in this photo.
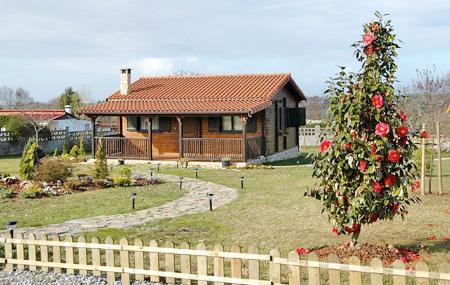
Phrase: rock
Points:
(24, 184)
(10, 180)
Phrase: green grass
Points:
(10, 164)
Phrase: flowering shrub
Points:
(366, 171)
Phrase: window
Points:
(231, 123)
(161, 124)
(214, 124)
(140, 124)
(155, 124)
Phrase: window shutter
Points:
(251, 125)
(214, 124)
(296, 117)
(165, 124)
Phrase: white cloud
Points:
(154, 65)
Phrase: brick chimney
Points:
(125, 81)
(68, 109)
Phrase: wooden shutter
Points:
(165, 124)
(296, 117)
(214, 124)
(251, 125)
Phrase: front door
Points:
(191, 127)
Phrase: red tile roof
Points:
(197, 94)
(41, 115)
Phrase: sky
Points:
(46, 46)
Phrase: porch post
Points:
(180, 136)
(244, 137)
(93, 136)
(150, 136)
(120, 126)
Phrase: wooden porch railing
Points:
(212, 148)
(119, 147)
(255, 147)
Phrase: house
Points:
(54, 119)
(205, 118)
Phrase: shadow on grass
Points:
(302, 159)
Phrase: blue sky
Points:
(46, 46)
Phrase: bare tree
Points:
(24, 106)
(427, 97)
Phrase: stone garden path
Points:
(194, 201)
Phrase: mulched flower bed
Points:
(365, 252)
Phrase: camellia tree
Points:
(366, 171)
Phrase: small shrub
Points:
(123, 178)
(81, 149)
(6, 193)
(74, 151)
(65, 149)
(28, 160)
(103, 183)
(31, 191)
(52, 170)
(124, 171)
(74, 183)
(101, 164)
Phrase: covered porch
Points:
(190, 137)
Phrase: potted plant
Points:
(226, 162)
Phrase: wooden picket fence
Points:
(200, 265)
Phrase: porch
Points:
(200, 149)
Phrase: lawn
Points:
(272, 212)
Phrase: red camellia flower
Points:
(302, 251)
(402, 131)
(347, 146)
(394, 208)
(377, 101)
(348, 229)
(416, 185)
(368, 38)
(403, 116)
(325, 145)
(335, 230)
(390, 180)
(382, 129)
(379, 158)
(425, 134)
(374, 149)
(355, 228)
(369, 50)
(376, 186)
(393, 156)
(362, 165)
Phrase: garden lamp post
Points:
(151, 173)
(181, 183)
(133, 200)
(242, 181)
(11, 225)
(159, 164)
(210, 195)
(196, 172)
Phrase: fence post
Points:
(124, 262)
(376, 279)
(438, 135)
(138, 259)
(430, 177)
(421, 266)
(32, 251)
(218, 264)
(253, 265)
(334, 275)
(8, 253)
(82, 259)
(236, 263)
(56, 254)
(96, 256)
(169, 262)
(20, 252)
(444, 268)
(313, 272)
(202, 266)
(399, 280)
(69, 255)
(294, 270)
(355, 277)
(274, 268)
(422, 170)
(154, 261)
(44, 253)
(185, 261)
(109, 255)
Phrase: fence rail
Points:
(120, 147)
(199, 264)
(212, 148)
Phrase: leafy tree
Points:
(101, 165)
(366, 171)
(70, 97)
(74, 151)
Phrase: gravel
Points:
(41, 278)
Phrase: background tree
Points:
(72, 98)
(366, 171)
(101, 164)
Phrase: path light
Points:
(133, 199)
(298, 162)
(177, 164)
(242, 181)
(11, 225)
(151, 173)
(181, 183)
(196, 172)
(159, 164)
(210, 195)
